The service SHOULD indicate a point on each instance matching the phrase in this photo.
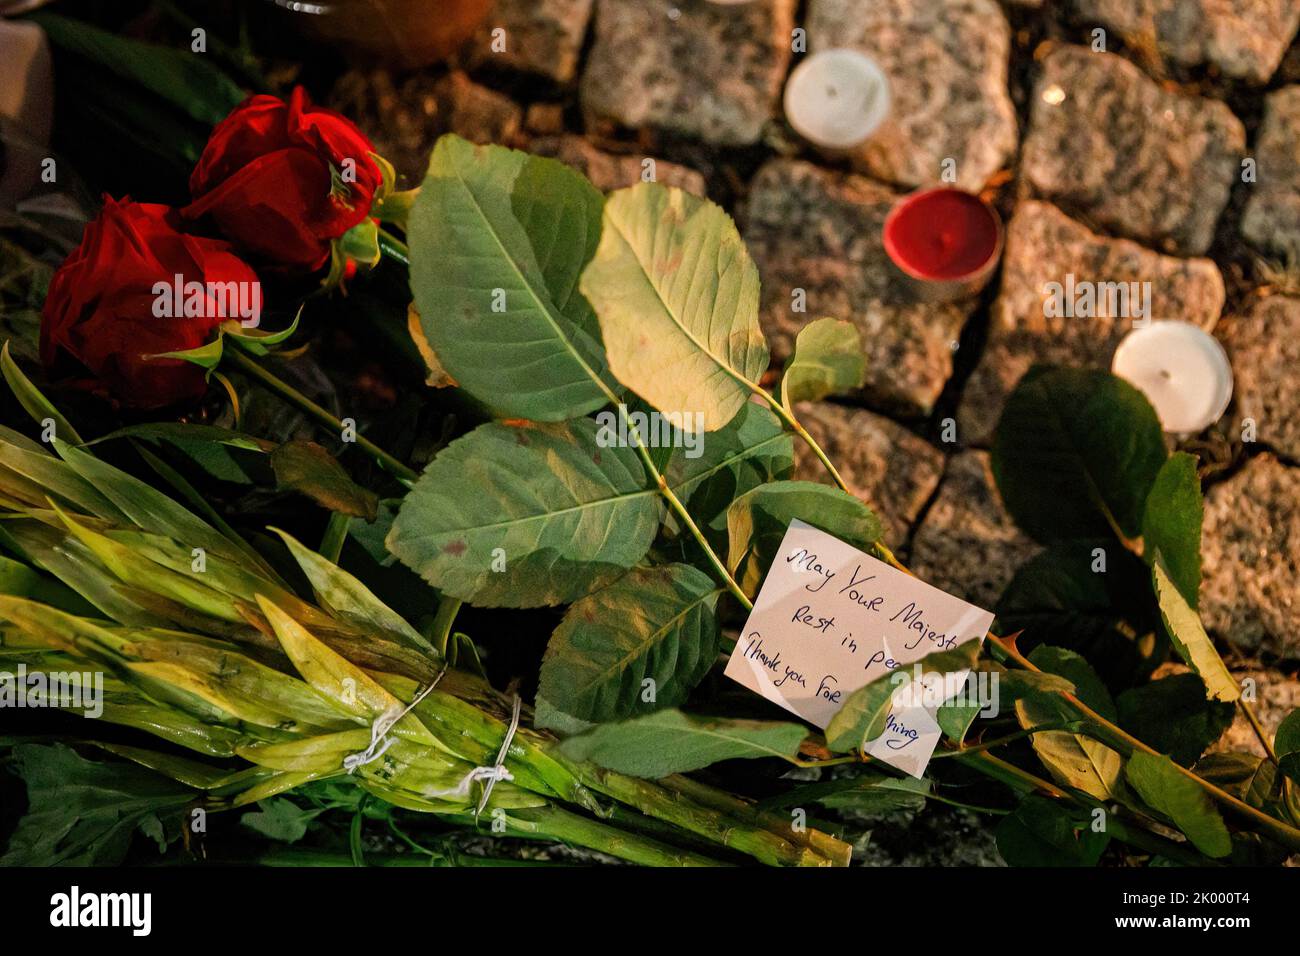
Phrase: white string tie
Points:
(379, 739)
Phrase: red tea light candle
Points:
(947, 242)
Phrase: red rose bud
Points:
(285, 179)
(136, 287)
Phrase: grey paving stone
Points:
(1271, 220)
(1250, 592)
(541, 36)
(814, 230)
(1243, 39)
(1107, 141)
(609, 171)
(699, 69)
(947, 65)
(1263, 344)
(405, 114)
(1046, 246)
(884, 464)
(967, 543)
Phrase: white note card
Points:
(830, 619)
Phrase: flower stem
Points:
(245, 363)
(1126, 744)
(679, 509)
(555, 823)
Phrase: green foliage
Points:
(280, 820)
(1057, 597)
(1190, 640)
(1159, 782)
(86, 813)
(189, 83)
(677, 298)
(1076, 454)
(652, 624)
(1044, 832)
(1073, 759)
(828, 360)
(1287, 745)
(1174, 716)
(498, 240)
(669, 741)
(870, 792)
(1171, 524)
(1086, 685)
(753, 449)
(307, 468)
(862, 718)
(556, 512)
(758, 519)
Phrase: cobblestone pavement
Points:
(1122, 140)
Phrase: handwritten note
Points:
(830, 619)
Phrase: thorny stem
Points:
(1287, 835)
(284, 390)
(1126, 743)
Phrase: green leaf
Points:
(1190, 640)
(1087, 686)
(32, 400)
(257, 342)
(862, 718)
(752, 450)
(85, 813)
(1159, 782)
(207, 356)
(216, 450)
(546, 716)
(870, 792)
(758, 519)
(1173, 716)
(280, 820)
(344, 595)
(515, 516)
(1287, 744)
(652, 624)
(1076, 454)
(1061, 596)
(828, 360)
(1074, 760)
(189, 82)
(1045, 832)
(494, 227)
(307, 468)
(20, 580)
(1287, 738)
(143, 505)
(1171, 524)
(677, 298)
(669, 741)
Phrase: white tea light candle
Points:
(1181, 369)
(837, 98)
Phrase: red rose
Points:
(107, 312)
(284, 179)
